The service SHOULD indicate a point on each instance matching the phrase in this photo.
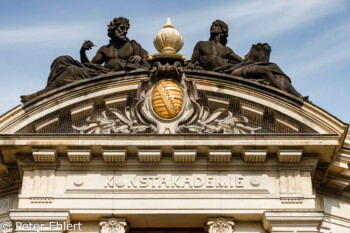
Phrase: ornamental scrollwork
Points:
(212, 123)
(141, 116)
(121, 123)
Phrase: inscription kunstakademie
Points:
(228, 182)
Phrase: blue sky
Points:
(310, 39)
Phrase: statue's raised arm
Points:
(87, 45)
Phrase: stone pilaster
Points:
(293, 186)
(5, 224)
(113, 225)
(6, 203)
(220, 225)
(292, 222)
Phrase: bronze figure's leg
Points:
(289, 87)
(255, 72)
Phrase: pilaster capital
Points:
(113, 225)
(220, 225)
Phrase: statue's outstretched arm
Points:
(234, 57)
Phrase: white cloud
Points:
(322, 51)
(46, 34)
(259, 18)
(249, 21)
(256, 17)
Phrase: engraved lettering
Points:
(195, 181)
(239, 182)
(153, 181)
(189, 181)
(176, 182)
(144, 182)
(110, 183)
(210, 182)
(198, 181)
(119, 182)
(222, 182)
(132, 182)
(232, 181)
(164, 180)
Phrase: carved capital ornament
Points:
(220, 225)
(113, 225)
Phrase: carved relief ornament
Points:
(168, 106)
(113, 225)
(220, 225)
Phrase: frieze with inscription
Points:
(173, 182)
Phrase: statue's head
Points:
(118, 28)
(219, 27)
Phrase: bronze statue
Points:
(119, 54)
(214, 54)
(257, 66)
(123, 54)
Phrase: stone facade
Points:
(289, 174)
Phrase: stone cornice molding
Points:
(293, 222)
(26, 144)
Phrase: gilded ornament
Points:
(167, 99)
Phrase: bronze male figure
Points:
(119, 54)
(214, 54)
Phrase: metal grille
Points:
(270, 121)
